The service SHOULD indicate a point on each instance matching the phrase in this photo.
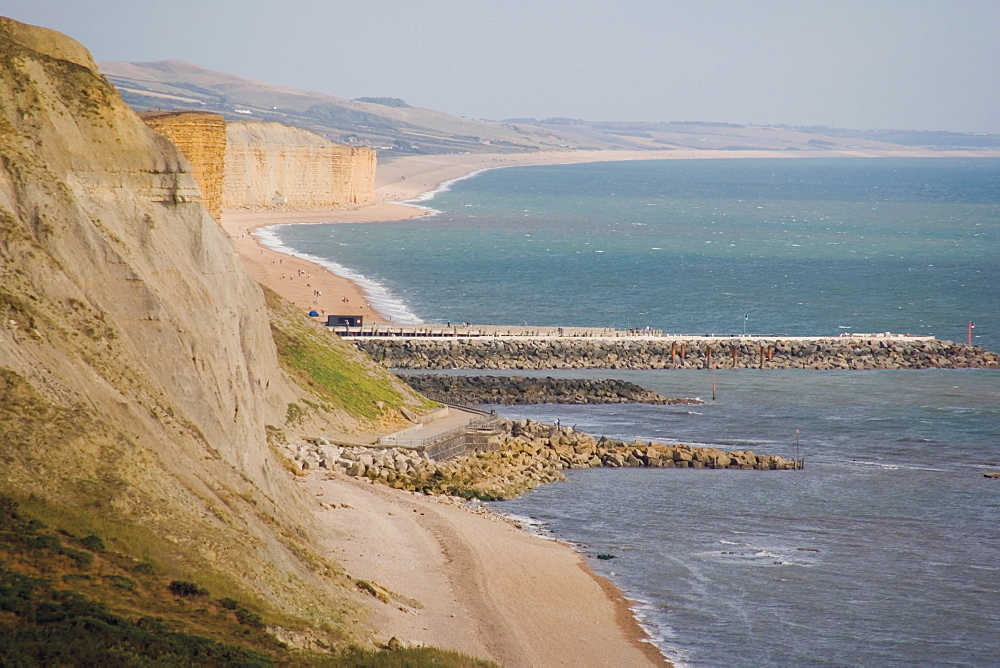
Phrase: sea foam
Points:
(444, 187)
(381, 299)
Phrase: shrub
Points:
(82, 559)
(145, 567)
(92, 543)
(249, 618)
(186, 589)
(64, 628)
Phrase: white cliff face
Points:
(275, 166)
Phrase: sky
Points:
(862, 64)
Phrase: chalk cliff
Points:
(140, 381)
(202, 140)
(270, 165)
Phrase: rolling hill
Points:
(396, 128)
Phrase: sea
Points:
(884, 549)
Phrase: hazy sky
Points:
(913, 64)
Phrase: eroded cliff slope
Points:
(140, 383)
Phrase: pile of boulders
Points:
(522, 390)
(385, 464)
(827, 353)
(521, 456)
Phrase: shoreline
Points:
(403, 183)
(527, 630)
(467, 576)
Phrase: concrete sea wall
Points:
(545, 353)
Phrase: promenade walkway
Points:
(430, 330)
(433, 330)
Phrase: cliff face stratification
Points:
(140, 382)
(252, 165)
(202, 140)
(275, 166)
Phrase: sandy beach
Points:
(472, 582)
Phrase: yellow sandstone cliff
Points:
(275, 166)
(201, 137)
(252, 165)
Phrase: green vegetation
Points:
(186, 589)
(373, 590)
(329, 368)
(53, 613)
(330, 373)
(62, 627)
(294, 413)
(42, 622)
(334, 113)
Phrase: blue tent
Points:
(313, 314)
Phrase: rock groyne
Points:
(522, 456)
(517, 390)
(545, 353)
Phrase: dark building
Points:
(344, 320)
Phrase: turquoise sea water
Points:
(799, 246)
(884, 550)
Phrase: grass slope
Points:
(336, 375)
(67, 599)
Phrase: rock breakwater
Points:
(522, 456)
(832, 353)
(517, 390)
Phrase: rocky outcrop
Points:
(202, 139)
(517, 390)
(499, 353)
(275, 166)
(524, 455)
